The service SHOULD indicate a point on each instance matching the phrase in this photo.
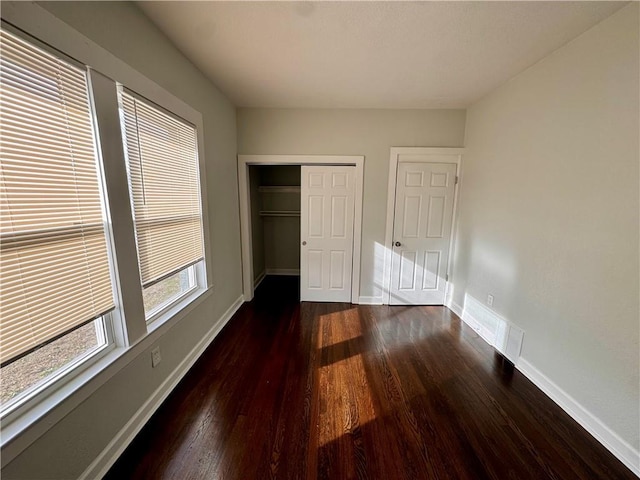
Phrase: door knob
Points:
(304, 243)
(398, 244)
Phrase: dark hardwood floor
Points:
(339, 391)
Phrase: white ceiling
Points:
(368, 54)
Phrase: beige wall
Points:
(352, 132)
(71, 445)
(548, 218)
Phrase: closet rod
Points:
(279, 213)
(279, 189)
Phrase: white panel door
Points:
(326, 224)
(421, 233)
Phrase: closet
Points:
(301, 215)
(275, 219)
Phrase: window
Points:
(167, 291)
(30, 373)
(57, 289)
(91, 251)
(162, 163)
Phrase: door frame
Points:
(244, 161)
(417, 155)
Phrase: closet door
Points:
(326, 225)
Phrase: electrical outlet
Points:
(155, 357)
(490, 300)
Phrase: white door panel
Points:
(421, 232)
(326, 224)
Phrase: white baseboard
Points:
(282, 271)
(259, 280)
(101, 465)
(370, 301)
(609, 439)
(484, 325)
(497, 331)
(455, 308)
(490, 327)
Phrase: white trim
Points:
(106, 69)
(130, 323)
(18, 407)
(502, 334)
(283, 271)
(448, 294)
(480, 319)
(164, 311)
(394, 159)
(455, 308)
(17, 435)
(103, 462)
(246, 244)
(609, 439)
(259, 280)
(370, 301)
(48, 28)
(245, 209)
(357, 230)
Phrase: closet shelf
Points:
(279, 189)
(279, 213)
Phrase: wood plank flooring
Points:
(339, 391)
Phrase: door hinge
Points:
(446, 277)
(456, 179)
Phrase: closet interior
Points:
(275, 219)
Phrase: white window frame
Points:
(159, 309)
(162, 312)
(131, 334)
(34, 394)
(197, 271)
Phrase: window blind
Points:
(162, 157)
(54, 261)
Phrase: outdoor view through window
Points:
(56, 279)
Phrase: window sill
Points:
(171, 311)
(21, 431)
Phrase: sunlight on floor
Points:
(345, 395)
(347, 326)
